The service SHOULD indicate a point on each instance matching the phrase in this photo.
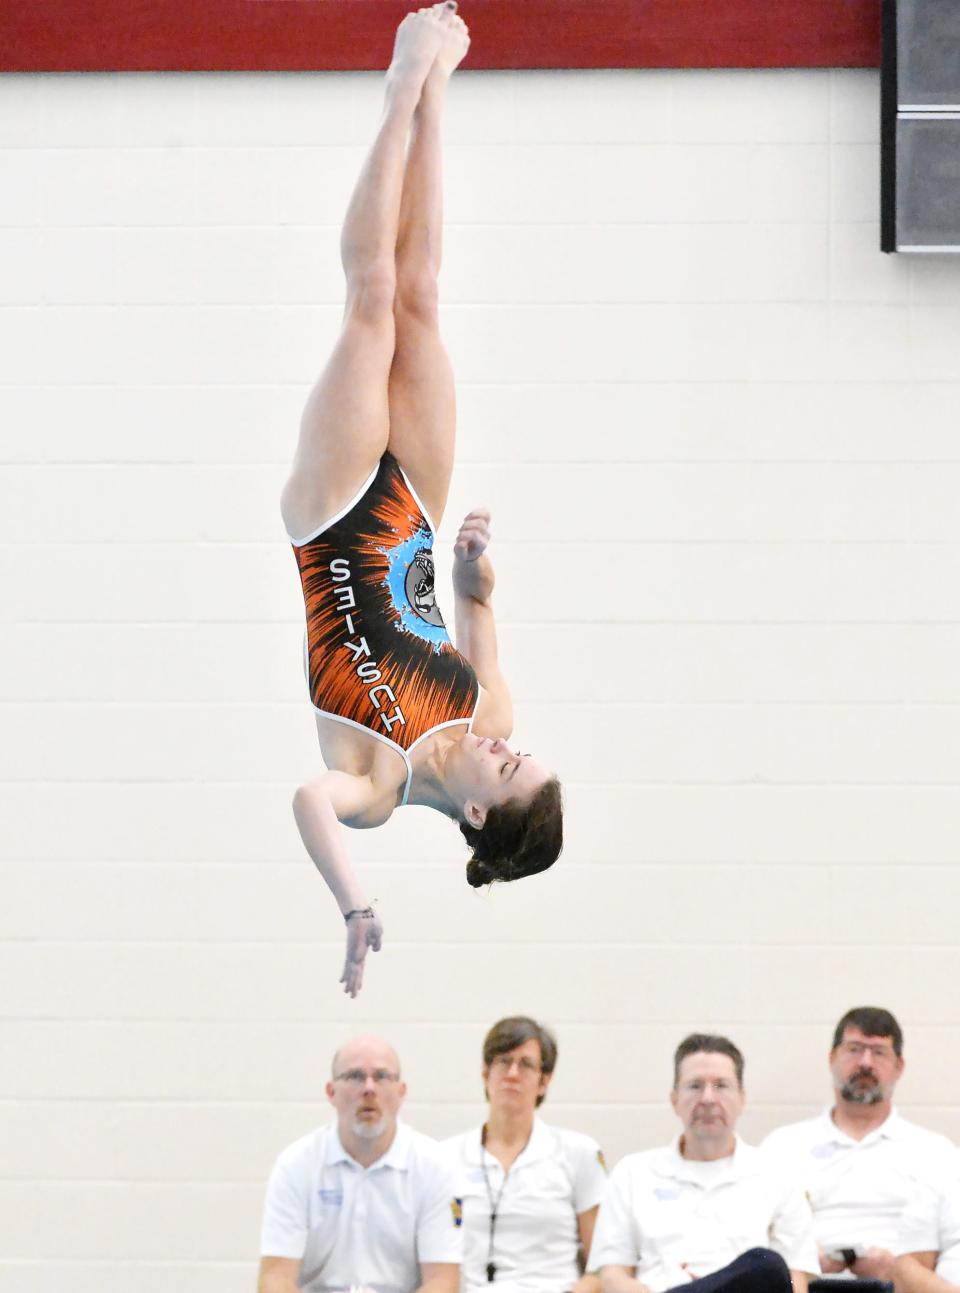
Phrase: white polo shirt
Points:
(931, 1224)
(353, 1225)
(557, 1176)
(858, 1188)
(671, 1218)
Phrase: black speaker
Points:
(920, 118)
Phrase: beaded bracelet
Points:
(358, 911)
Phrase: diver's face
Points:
(488, 772)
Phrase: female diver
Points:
(402, 716)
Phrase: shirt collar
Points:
(336, 1152)
(396, 1156)
(670, 1162)
(891, 1128)
(537, 1147)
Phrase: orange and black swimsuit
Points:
(378, 655)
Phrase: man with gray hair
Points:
(860, 1162)
(365, 1202)
(707, 1213)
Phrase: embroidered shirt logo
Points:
(456, 1208)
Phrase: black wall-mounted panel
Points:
(928, 182)
(928, 51)
(888, 126)
(920, 126)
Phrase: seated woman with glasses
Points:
(529, 1191)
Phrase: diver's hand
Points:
(474, 535)
(473, 577)
(363, 934)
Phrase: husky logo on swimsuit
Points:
(420, 590)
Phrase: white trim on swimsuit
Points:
(398, 749)
(315, 534)
(416, 498)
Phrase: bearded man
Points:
(859, 1161)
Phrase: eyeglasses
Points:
(859, 1049)
(504, 1063)
(696, 1085)
(358, 1077)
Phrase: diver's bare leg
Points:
(421, 394)
(345, 424)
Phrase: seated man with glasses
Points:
(860, 1161)
(708, 1212)
(365, 1202)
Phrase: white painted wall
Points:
(718, 430)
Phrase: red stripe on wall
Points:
(288, 35)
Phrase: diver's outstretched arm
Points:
(476, 628)
(319, 806)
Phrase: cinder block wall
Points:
(718, 431)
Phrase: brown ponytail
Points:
(516, 840)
